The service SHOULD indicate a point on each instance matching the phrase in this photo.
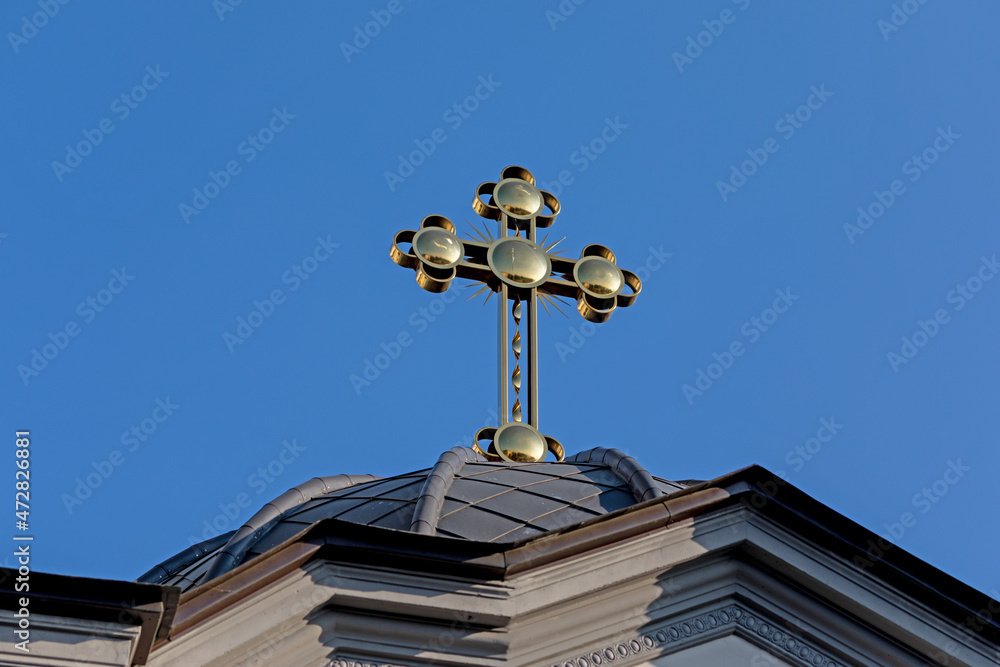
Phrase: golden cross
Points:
(522, 271)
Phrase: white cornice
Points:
(734, 561)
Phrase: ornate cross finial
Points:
(521, 271)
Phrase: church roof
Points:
(749, 540)
(463, 496)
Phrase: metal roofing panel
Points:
(474, 523)
(472, 490)
(521, 506)
(484, 501)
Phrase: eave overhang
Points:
(149, 606)
(754, 488)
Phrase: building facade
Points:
(589, 561)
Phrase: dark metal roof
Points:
(462, 496)
(753, 489)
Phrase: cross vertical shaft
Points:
(524, 311)
(532, 383)
(503, 397)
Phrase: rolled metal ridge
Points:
(641, 483)
(176, 563)
(427, 511)
(239, 544)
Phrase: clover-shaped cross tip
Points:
(434, 253)
(601, 284)
(516, 199)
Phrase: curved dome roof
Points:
(463, 496)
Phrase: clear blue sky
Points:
(252, 146)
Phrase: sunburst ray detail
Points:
(478, 233)
(480, 291)
(551, 298)
(549, 248)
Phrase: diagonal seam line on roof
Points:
(475, 503)
(530, 469)
(295, 511)
(527, 489)
(509, 518)
(306, 525)
(356, 493)
(555, 511)
(529, 522)
(403, 504)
